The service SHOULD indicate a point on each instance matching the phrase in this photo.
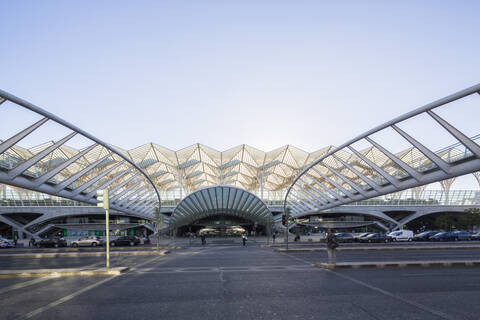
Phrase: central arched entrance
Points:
(221, 211)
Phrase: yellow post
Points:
(104, 202)
(107, 229)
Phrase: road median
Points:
(55, 273)
(83, 254)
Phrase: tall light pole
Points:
(104, 202)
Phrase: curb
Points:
(84, 249)
(398, 264)
(84, 254)
(55, 273)
(379, 249)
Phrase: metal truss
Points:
(345, 175)
(220, 200)
(56, 169)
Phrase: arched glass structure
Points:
(220, 200)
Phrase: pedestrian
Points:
(31, 243)
(244, 239)
(332, 244)
(274, 235)
(15, 239)
(204, 239)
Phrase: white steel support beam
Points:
(50, 174)
(427, 152)
(412, 172)
(30, 162)
(375, 167)
(4, 146)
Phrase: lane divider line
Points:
(394, 296)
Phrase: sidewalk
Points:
(399, 264)
(384, 248)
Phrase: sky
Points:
(224, 73)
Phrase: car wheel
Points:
(410, 239)
(369, 241)
(386, 240)
(56, 245)
(112, 244)
(94, 244)
(132, 243)
(74, 245)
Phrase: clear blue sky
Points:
(223, 73)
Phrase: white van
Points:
(401, 235)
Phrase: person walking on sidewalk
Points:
(244, 239)
(332, 244)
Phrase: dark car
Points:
(476, 236)
(376, 237)
(51, 242)
(444, 236)
(125, 241)
(344, 237)
(361, 236)
(462, 235)
(424, 236)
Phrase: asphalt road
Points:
(233, 282)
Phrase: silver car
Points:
(87, 242)
(4, 243)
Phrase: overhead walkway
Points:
(347, 174)
(55, 169)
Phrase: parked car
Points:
(87, 242)
(444, 236)
(51, 242)
(5, 243)
(401, 235)
(344, 237)
(462, 235)
(361, 236)
(376, 237)
(125, 241)
(476, 236)
(424, 236)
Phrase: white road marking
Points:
(23, 284)
(35, 281)
(393, 295)
(298, 259)
(73, 295)
(66, 298)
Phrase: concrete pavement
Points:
(220, 282)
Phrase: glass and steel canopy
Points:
(217, 200)
(366, 167)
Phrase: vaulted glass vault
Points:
(219, 200)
